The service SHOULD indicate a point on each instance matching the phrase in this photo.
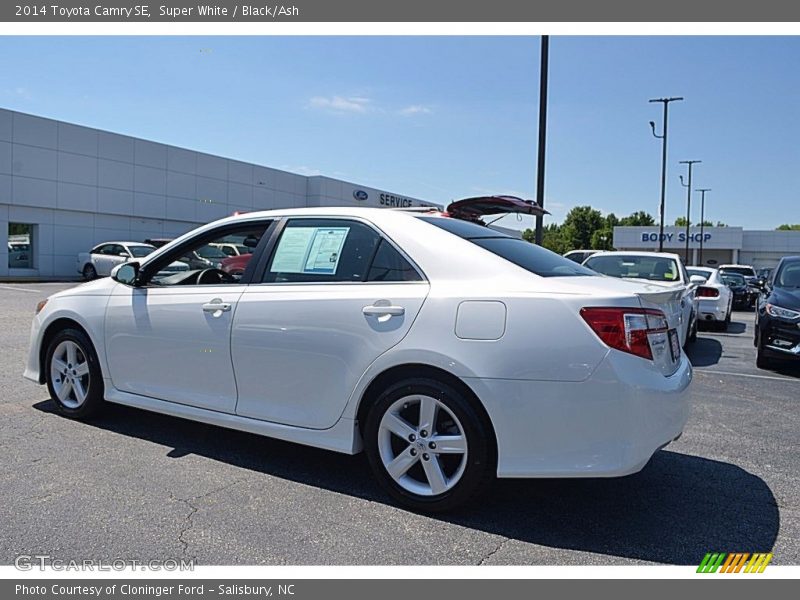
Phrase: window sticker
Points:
(309, 250)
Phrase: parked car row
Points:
(226, 255)
(775, 293)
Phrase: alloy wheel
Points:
(69, 373)
(422, 445)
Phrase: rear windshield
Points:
(653, 268)
(530, 257)
(704, 274)
(732, 279)
(746, 271)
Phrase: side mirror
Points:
(127, 273)
(697, 280)
(250, 241)
(124, 255)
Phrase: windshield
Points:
(746, 271)
(140, 251)
(704, 274)
(789, 275)
(534, 259)
(732, 279)
(209, 251)
(653, 268)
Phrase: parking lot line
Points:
(19, 289)
(752, 375)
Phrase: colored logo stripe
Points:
(734, 562)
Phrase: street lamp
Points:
(688, 187)
(663, 138)
(702, 218)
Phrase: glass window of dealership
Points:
(65, 188)
(721, 245)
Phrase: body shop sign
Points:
(652, 236)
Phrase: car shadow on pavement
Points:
(674, 511)
(704, 351)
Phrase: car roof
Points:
(706, 269)
(736, 266)
(636, 253)
(121, 243)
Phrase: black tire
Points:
(481, 461)
(692, 338)
(92, 383)
(726, 322)
(89, 272)
(762, 361)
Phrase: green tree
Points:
(551, 238)
(637, 219)
(602, 239)
(580, 225)
(680, 222)
(788, 227)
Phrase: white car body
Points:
(104, 257)
(712, 309)
(682, 306)
(300, 358)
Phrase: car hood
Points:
(785, 297)
(96, 287)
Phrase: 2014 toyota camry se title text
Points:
(144, 11)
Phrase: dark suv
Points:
(777, 332)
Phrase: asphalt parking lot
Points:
(137, 485)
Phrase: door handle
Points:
(378, 310)
(217, 306)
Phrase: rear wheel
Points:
(74, 379)
(89, 272)
(428, 446)
(693, 333)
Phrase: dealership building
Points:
(65, 188)
(721, 245)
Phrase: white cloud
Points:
(342, 104)
(415, 109)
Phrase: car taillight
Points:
(707, 292)
(626, 329)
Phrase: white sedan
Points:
(449, 352)
(101, 259)
(662, 269)
(714, 297)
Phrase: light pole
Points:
(702, 219)
(663, 138)
(688, 187)
(542, 134)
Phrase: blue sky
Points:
(443, 118)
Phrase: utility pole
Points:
(688, 187)
(542, 134)
(663, 138)
(702, 219)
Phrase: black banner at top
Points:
(406, 10)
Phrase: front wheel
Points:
(428, 446)
(89, 272)
(74, 379)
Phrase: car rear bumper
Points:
(712, 309)
(609, 425)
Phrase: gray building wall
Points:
(79, 186)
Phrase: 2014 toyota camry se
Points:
(449, 352)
